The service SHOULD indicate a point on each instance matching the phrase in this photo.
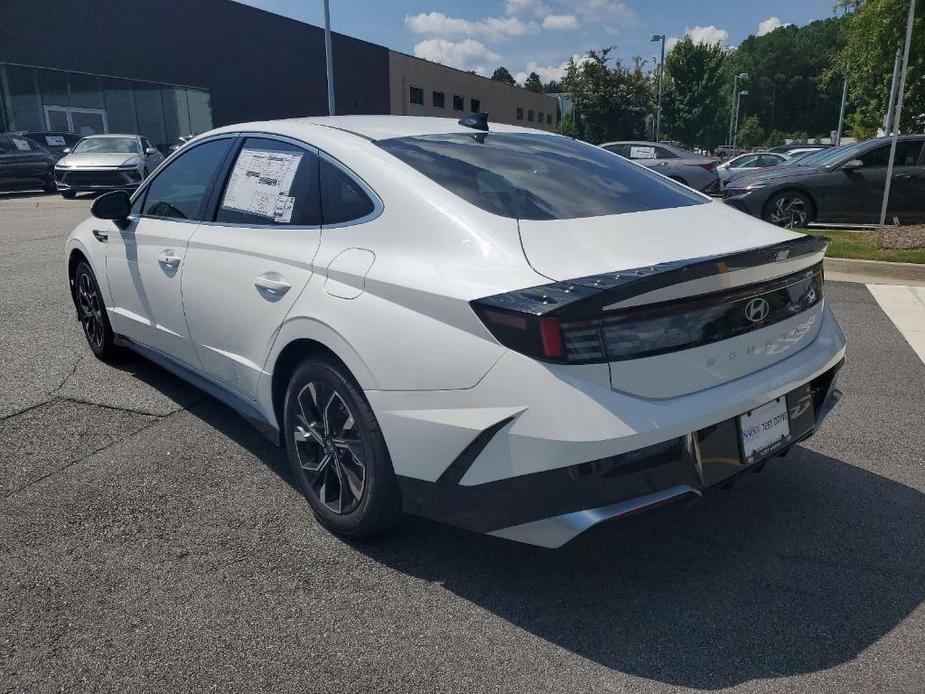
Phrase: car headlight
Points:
(133, 163)
(754, 186)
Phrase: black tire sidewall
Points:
(381, 503)
(108, 349)
(807, 203)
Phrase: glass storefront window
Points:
(43, 98)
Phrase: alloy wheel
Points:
(90, 310)
(789, 211)
(329, 447)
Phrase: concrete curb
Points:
(874, 271)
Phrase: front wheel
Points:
(92, 314)
(790, 209)
(336, 451)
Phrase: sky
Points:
(541, 35)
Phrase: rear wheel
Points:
(336, 451)
(790, 209)
(92, 313)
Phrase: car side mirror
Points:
(852, 165)
(66, 150)
(150, 150)
(115, 205)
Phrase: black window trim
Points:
(142, 190)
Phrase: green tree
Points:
(610, 100)
(552, 87)
(502, 74)
(750, 133)
(694, 101)
(534, 83)
(873, 33)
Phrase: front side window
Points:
(342, 198)
(179, 191)
(107, 145)
(740, 162)
(271, 183)
(416, 96)
(439, 99)
(664, 153)
(528, 176)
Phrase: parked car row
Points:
(681, 165)
(70, 164)
(839, 184)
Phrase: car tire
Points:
(336, 451)
(69, 194)
(790, 209)
(91, 311)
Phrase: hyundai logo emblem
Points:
(757, 310)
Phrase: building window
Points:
(475, 105)
(417, 96)
(530, 116)
(520, 114)
(439, 100)
(548, 119)
(459, 102)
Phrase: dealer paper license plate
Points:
(765, 429)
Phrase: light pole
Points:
(327, 56)
(661, 70)
(841, 110)
(733, 106)
(735, 130)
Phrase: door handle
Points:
(169, 259)
(902, 176)
(275, 285)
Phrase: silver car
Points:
(694, 170)
(752, 161)
(106, 162)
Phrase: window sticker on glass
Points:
(21, 145)
(260, 183)
(55, 141)
(637, 152)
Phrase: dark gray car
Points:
(691, 169)
(840, 184)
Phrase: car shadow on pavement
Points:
(792, 571)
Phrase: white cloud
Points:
(561, 21)
(465, 55)
(605, 10)
(769, 25)
(707, 34)
(548, 73)
(494, 28)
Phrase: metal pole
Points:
(732, 106)
(661, 72)
(891, 107)
(841, 111)
(735, 130)
(899, 113)
(328, 58)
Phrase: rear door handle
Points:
(902, 176)
(273, 284)
(169, 259)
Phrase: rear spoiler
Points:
(588, 295)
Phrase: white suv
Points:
(503, 329)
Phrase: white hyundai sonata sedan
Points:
(496, 327)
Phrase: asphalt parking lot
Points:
(151, 541)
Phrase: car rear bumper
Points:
(545, 461)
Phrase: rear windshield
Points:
(529, 176)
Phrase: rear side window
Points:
(528, 176)
(662, 153)
(342, 198)
(179, 191)
(271, 183)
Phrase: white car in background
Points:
(99, 163)
(504, 329)
(752, 161)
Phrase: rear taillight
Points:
(711, 166)
(567, 323)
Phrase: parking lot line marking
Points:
(906, 308)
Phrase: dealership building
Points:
(167, 69)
